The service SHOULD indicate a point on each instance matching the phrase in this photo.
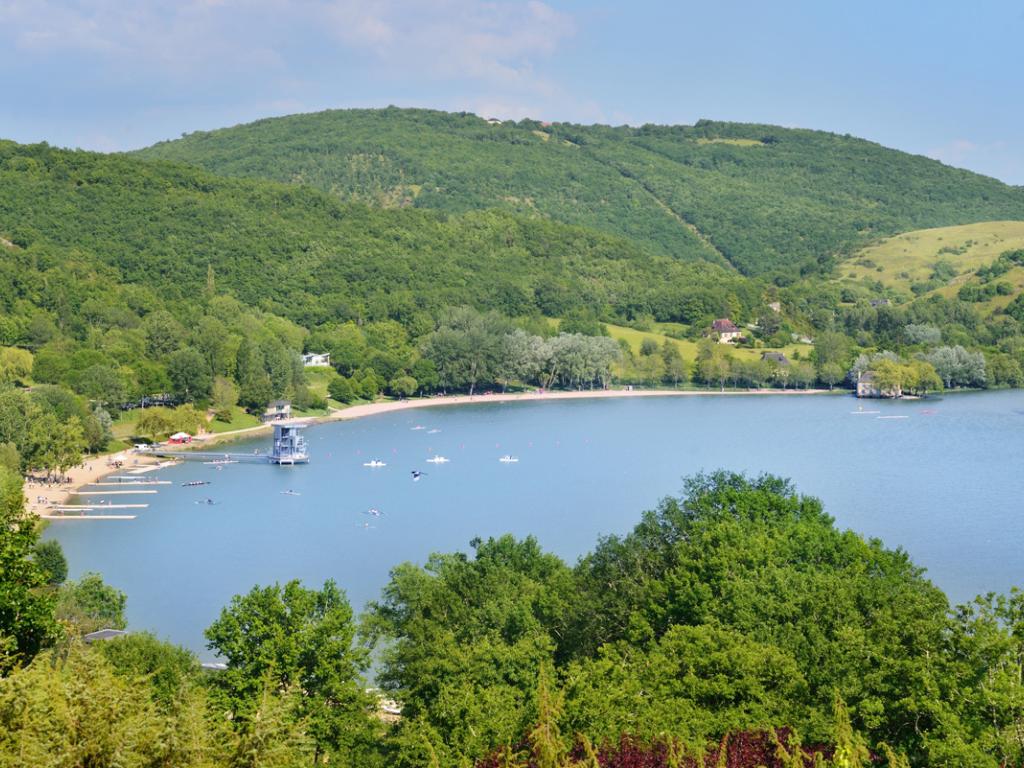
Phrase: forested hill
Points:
(301, 254)
(767, 200)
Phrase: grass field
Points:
(688, 349)
(900, 261)
(239, 420)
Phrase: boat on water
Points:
(894, 417)
(221, 461)
(508, 459)
(374, 463)
(417, 428)
(433, 431)
(290, 492)
(194, 483)
(438, 460)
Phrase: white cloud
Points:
(235, 57)
(497, 43)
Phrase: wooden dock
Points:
(87, 517)
(111, 493)
(131, 482)
(76, 507)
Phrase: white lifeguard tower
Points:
(289, 445)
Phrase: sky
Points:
(938, 78)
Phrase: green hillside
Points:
(307, 256)
(941, 260)
(765, 199)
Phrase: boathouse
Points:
(868, 386)
(289, 444)
(278, 410)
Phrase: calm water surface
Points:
(945, 483)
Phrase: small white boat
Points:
(417, 428)
(374, 463)
(507, 459)
(894, 417)
(433, 431)
(438, 460)
(290, 493)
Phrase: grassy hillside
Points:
(762, 198)
(688, 348)
(911, 257)
(942, 261)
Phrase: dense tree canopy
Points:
(762, 198)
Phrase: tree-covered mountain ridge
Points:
(765, 199)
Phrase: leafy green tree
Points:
(341, 389)
(648, 347)
(831, 373)
(676, 369)
(189, 375)
(72, 710)
(10, 459)
(713, 364)
(752, 556)
(102, 384)
(26, 612)
(301, 639)
(224, 398)
(155, 423)
(696, 683)
(168, 670)
(403, 386)
(462, 641)
(89, 604)
(163, 333)
(15, 365)
(49, 557)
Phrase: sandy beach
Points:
(41, 497)
(372, 409)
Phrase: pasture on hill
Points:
(688, 348)
(948, 255)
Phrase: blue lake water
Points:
(945, 483)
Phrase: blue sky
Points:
(944, 79)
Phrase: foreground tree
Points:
(463, 640)
(293, 638)
(89, 604)
(26, 612)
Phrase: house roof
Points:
(777, 357)
(103, 634)
(724, 325)
(279, 404)
(180, 435)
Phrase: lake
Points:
(944, 481)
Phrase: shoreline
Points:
(374, 409)
(41, 499)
